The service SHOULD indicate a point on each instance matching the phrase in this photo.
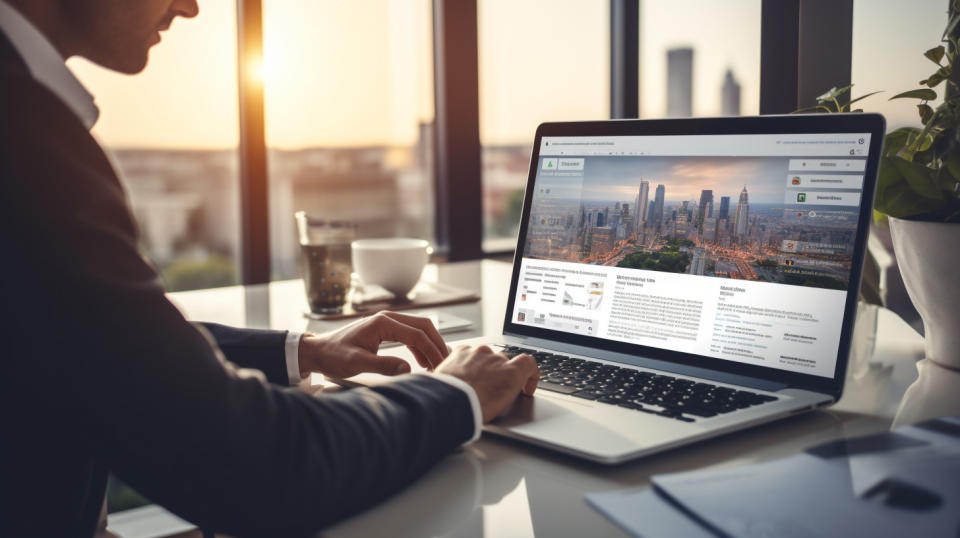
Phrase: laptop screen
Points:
(737, 247)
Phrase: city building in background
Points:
(730, 95)
(658, 201)
(380, 189)
(705, 207)
(680, 82)
(185, 205)
(642, 204)
(742, 218)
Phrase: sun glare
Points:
(256, 70)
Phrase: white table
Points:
(498, 487)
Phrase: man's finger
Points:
(380, 364)
(421, 360)
(412, 337)
(425, 325)
(530, 373)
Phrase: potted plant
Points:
(918, 194)
(918, 188)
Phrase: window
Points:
(349, 118)
(699, 58)
(889, 40)
(539, 61)
(173, 132)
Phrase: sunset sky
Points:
(360, 73)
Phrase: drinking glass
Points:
(324, 261)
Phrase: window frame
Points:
(805, 48)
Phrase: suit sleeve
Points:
(258, 349)
(163, 407)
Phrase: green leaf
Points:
(948, 185)
(896, 140)
(925, 112)
(896, 197)
(880, 218)
(942, 74)
(864, 97)
(950, 26)
(919, 178)
(918, 143)
(935, 54)
(953, 165)
(921, 93)
(903, 202)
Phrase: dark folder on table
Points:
(898, 483)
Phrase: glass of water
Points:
(324, 261)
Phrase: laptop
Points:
(680, 279)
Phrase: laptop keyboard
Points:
(659, 394)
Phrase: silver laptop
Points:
(681, 279)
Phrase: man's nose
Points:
(185, 8)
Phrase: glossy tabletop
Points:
(498, 487)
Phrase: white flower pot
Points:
(929, 257)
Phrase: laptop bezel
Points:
(781, 124)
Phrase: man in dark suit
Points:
(103, 374)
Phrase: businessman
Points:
(103, 375)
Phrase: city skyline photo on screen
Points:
(742, 218)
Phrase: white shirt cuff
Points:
(471, 395)
(292, 350)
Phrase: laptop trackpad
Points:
(567, 424)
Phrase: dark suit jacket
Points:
(102, 374)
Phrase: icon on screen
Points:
(801, 197)
(861, 141)
(795, 180)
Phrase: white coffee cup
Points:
(393, 263)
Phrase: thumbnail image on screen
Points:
(749, 218)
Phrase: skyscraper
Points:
(724, 212)
(658, 205)
(642, 203)
(730, 95)
(699, 263)
(680, 82)
(706, 204)
(742, 219)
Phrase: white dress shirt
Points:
(48, 68)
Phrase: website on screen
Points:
(738, 247)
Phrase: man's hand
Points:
(496, 379)
(351, 350)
